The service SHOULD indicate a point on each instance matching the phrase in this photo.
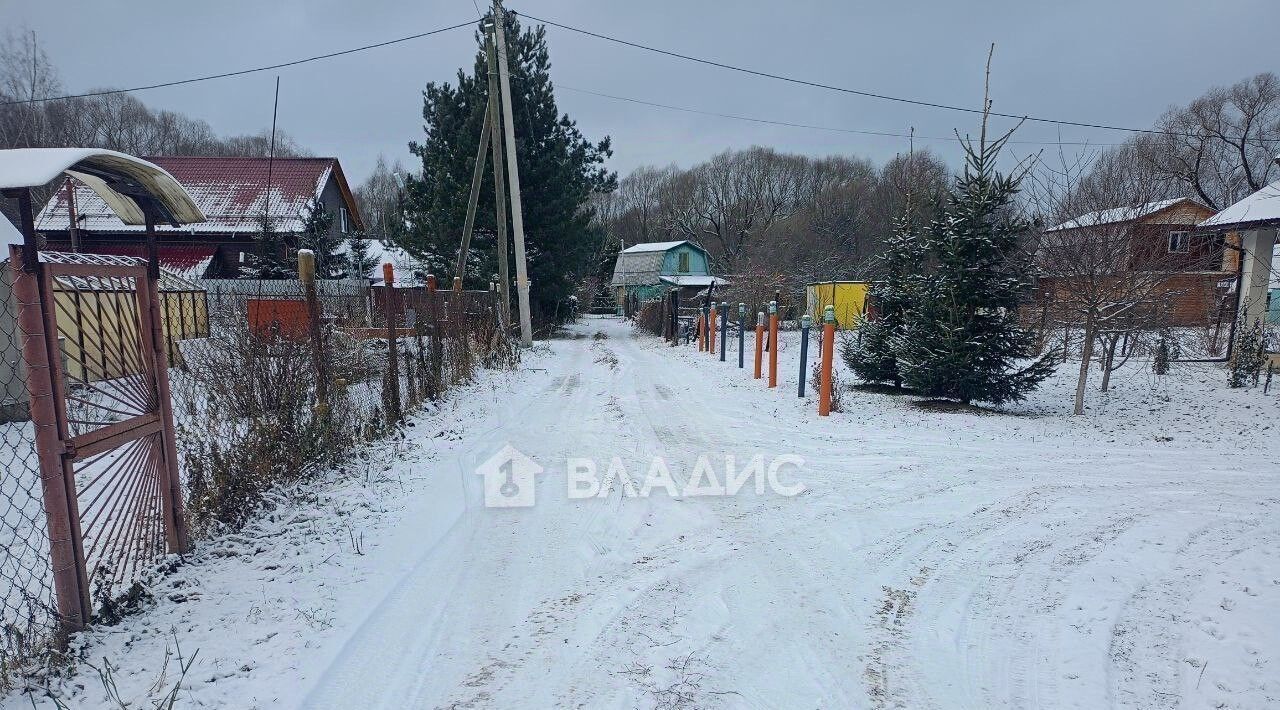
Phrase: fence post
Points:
(828, 353)
(307, 274)
(759, 341)
(702, 329)
(711, 329)
(804, 350)
(724, 329)
(773, 343)
(437, 345)
(742, 332)
(391, 392)
(71, 590)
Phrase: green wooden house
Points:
(646, 271)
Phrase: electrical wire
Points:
(841, 89)
(242, 72)
(790, 124)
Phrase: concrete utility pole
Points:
(499, 188)
(476, 175)
(513, 170)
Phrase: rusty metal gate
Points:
(100, 403)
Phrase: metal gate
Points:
(98, 376)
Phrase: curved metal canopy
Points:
(133, 188)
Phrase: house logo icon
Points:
(508, 479)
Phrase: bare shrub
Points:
(837, 388)
(649, 318)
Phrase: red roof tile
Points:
(231, 192)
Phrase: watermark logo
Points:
(509, 479)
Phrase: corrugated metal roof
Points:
(231, 192)
(187, 261)
(637, 268)
(1118, 214)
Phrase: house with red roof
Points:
(232, 192)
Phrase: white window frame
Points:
(343, 220)
(1178, 239)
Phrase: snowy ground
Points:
(937, 559)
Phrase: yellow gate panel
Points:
(848, 297)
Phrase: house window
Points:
(1179, 242)
(343, 219)
(684, 262)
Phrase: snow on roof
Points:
(97, 169)
(232, 193)
(1262, 206)
(1117, 214)
(381, 252)
(655, 246)
(693, 280)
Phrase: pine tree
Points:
(871, 356)
(318, 236)
(359, 263)
(559, 171)
(273, 257)
(961, 338)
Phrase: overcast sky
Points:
(1100, 61)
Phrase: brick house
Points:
(232, 193)
(1199, 288)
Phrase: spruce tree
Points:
(359, 263)
(559, 171)
(318, 236)
(961, 338)
(871, 356)
(274, 257)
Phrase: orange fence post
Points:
(702, 333)
(711, 330)
(828, 353)
(773, 343)
(759, 341)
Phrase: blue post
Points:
(742, 332)
(724, 328)
(804, 350)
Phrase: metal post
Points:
(742, 333)
(804, 349)
(773, 344)
(176, 525)
(724, 329)
(307, 274)
(828, 354)
(513, 170)
(711, 328)
(759, 341)
(59, 503)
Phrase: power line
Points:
(845, 90)
(242, 72)
(790, 124)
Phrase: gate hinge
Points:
(68, 449)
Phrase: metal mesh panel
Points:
(27, 608)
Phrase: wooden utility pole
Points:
(476, 175)
(499, 188)
(513, 173)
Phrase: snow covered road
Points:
(923, 568)
(936, 560)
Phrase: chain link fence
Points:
(271, 382)
(27, 609)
